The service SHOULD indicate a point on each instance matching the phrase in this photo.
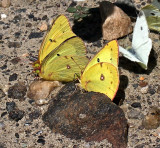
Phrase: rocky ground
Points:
(20, 40)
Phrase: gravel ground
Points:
(20, 41)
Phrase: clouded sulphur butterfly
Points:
(62, 54)
(101, 74)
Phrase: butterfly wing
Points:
(129, 54)
(141, 43)
(109, 53)
(65, 62)
(102, 77)
(59, 32)
(152, 14)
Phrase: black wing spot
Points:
(111, 49)
(102, 77)
(98, 60)
(68, 67)
(58, 54)
(111, 82)
(52, 40)
(152, 13)
(111, 59)
(141, 28)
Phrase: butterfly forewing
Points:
(59, 32)
(71, 47)
(109, 54)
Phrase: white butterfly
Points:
(141, 43)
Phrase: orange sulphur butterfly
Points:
(101, 74)
(62, 54)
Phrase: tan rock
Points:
(5, 3)
(116, 23)
(40, 90)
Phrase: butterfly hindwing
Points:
(64, 68)
(102, 77)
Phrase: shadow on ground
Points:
(135, 67)
(89, 28)
(120, 96)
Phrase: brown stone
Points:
(90, 116)
(116, 23)
(152, 119)
(5, 3)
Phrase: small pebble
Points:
(43, 27)
(136, 105)
(135, 114)
(34, 115)
(2, 125)
(13, 77)
(144, 90)
(151, 90)
(3, 114)
(135, 86)
(17, 91)
(3, 16)
(2, 94)
(10, 106)
(16, 114)
(141, 78)
(44, 17)
(15, 60)
(16, 135)
(41, 140)
(14, 44)
(152, 119)
(143, 83)
(35, 35)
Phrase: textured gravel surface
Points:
(21, 122)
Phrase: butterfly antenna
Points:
(76, 63)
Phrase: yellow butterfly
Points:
(62, 54)
(101, 74)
